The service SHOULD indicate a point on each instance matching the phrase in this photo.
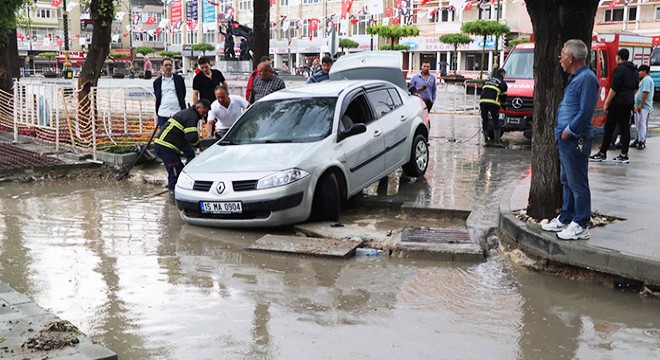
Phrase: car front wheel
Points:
(419, 157)
(327, 202)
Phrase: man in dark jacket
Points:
(493, 96)
(170, 92)
(618, 107)
(179, 132)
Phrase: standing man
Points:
(425, 85)
(493, 96)
(179, 132)
(324, 73)
(643, 106)
(574, 136)
(618, 107)
(148, 68)
(170, 91)
(254, 75)
(205, 82)
(224, 112)
(266, 83)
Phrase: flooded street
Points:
(120, 264)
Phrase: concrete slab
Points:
(21, 319)
(331, 247)
(328, 231)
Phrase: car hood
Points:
(250, 157)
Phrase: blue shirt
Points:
(428, 93)
(577, 107)
(318, 77)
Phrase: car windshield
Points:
(285, 120)
(520, 64)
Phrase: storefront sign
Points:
(433, 44)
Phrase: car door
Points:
(394, 120)
(364, 153)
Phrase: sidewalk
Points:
(628, 248)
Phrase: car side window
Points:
(357, 112)
(381, 101)
(396, 97)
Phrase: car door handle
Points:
(377, 133)
(403, 118)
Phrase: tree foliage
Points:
(393, 32)
(114, 56)
(8, 43)
(144, 50)
(169, 54)
(348, 44)
(396, 47)
(455, 40)
(519, 41)
(484, 28)
(203, 47)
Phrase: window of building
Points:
(484, 14)
(284, 2)
(304, 25)
(309, 2)
(44, 13)
(290, 32)
(360, 27)
(192, 37)
(209, 37)
(657, 13)
(446, 15)
(176, 38)
(245, 5)
(617, 14)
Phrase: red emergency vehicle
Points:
(519, 66)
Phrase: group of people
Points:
(631, 94)
(178, 125)
(574, 129)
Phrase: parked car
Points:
(298, 153)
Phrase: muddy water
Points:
(120, 265)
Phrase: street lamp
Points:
(29, 27)
(68, 74)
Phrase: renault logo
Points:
(221, 187)
(517, 103)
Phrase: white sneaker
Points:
(574, 232)
(554, 225)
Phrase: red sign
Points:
(175, 12)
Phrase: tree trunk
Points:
(102, 13)
(9, 67)
(554, 22)
(261, 33)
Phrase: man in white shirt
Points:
(170, 91)
(224, 112)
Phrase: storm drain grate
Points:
(12, 157)
(436, 236)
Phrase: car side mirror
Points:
(353, 130)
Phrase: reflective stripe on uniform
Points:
(489, 101)
(161, 139)
(494, 88)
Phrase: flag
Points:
(55, 3)
(313, 25)
(297, 24)
(346, 7)
(273, 2)
(285, 25)
(468, 6)
(158, 30)
(119, 16)
(58, 41)
(20, 36)
(354, 21)
(388, 12)
(627, 2)
(163, 23)
(425, 1)
(115, 38)
(125, 34)
(213, 3)
(613, 4)
(150, 20)
(70, 6)
(458, 4)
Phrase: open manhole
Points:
(436, 236)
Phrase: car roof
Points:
(322, 89)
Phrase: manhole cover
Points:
(12, 157)
(436, 236)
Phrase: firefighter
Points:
(493, 97)
(176, 135)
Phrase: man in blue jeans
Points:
(574, 134)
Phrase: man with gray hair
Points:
(266, 83)
(574, 137)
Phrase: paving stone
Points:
(306, 245)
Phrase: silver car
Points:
(296, 154)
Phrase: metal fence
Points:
(108, 119)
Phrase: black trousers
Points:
(494, 111)
(617, 114)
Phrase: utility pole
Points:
(68, 74)
(496, 58)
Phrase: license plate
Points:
(513, 120)
(225, 207)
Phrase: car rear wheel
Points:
(327, 202)
(419, 157)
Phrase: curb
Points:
(532, 239)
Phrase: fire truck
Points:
(655, 65)
(519, 66)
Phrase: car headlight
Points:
(185, 181)
(281, 178)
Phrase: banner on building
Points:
(208, 12)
